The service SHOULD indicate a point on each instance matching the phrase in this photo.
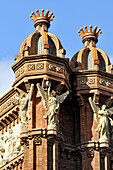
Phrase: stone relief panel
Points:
(10, 146)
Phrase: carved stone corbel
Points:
(51, 138)
(102, 155)
(59, 88)
(24, 141)
(80, 100)
(96, 98)
(78, 155)
(90, 152)
(37, 140)
(69, 154)
(27, 85)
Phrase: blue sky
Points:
(15, 27)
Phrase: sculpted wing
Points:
(61, 98)
(110, 111)
(95, 108)
(44, 96)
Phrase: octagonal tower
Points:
(41, 60)
(92, 77)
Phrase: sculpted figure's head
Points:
(104, 107)
(22, 95)
(53, 93)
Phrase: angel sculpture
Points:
(51, 103)
(102, 117)
(25, 105)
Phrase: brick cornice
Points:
(93, 72)
(7, 95)
(41, 58)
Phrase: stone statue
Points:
(25, 105)
(51, 103)
(102, 117)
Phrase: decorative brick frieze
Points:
(91, 80)
(40, 66)
(36, 66)
(105, 83)
(52, 67)
(31, 67)
(55, 68)
(83, 81)
(12, 101)
(88, 80)
(19, 72)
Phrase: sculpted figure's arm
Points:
(95, 109)
(48, 84)
(43, 95)
(111, 121)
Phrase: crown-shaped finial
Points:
(89, 35)
(42, 18)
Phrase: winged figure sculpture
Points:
(102, 116)
(51, 102)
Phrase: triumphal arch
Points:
(58, 114)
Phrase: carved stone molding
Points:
(76, 151)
